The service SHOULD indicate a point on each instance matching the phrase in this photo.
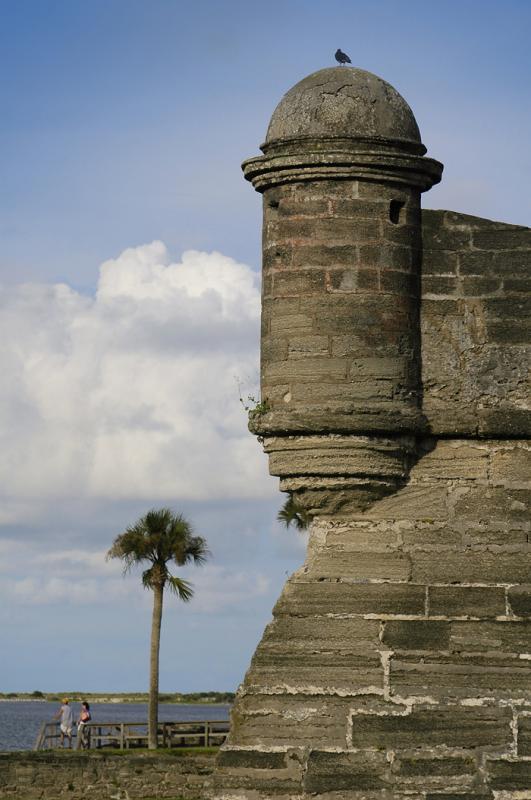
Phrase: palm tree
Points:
(292, 512)
(159, 538)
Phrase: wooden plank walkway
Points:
(125, 735)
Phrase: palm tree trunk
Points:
(153, 704)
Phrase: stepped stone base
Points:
(398, 661)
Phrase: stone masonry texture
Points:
(100, 776)
(395, 409)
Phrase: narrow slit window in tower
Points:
(395, 207)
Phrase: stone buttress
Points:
(395, 411)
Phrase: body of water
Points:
(21, 720)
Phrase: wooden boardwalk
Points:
(125, 735)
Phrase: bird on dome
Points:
(342, 57)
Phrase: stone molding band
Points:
(335, 473)
(374, 420)
(365, 163)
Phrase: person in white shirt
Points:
(67, 721)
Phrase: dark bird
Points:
(342, 57)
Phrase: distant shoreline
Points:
(177, 698)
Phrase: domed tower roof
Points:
(343, 102)
(342, 122)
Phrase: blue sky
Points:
(124, 123)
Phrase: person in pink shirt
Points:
(84, 717)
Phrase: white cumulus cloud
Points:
(131, 393)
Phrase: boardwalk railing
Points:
(125, 735)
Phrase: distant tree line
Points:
(197, 697)
(136, 697)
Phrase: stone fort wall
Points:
(395, 365)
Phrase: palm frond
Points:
(292, 513)
(197, 550)
(180, 587)
(131, 546)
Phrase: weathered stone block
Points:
(325, 255)
(451, 460)
(295, 206)
(508, 637)
(332, 772)
(309, 369)
(279, 307)
(474, 601)
(307, 346)
(460, 677)
(267, 285)
(356, 208)
(286, 720)
(329, 674)
(476, 263)
(480, 286)
(430, 535)
(511, 464)
(387, 256)
(292, 322)
(524, 735)
(414, 501)
(363, 566)
(298, 282)
(341, 280)
(439, 285)
(422, 765)
(351, 598)
(416, 635)
(439, 238)
(365, 343)
(486, 795)
(407, 232)
(438, 262)
(251, 759)
(399, 282)
(277, 255)
(509, 332)
(510, 237)
(508, 774)
(448, 726)
(336, 319)
(278, 773)
(509, 536)
(512, 263)
(520, 285)
(378, 368)
(321, 652)
(437, 310)
(469, 567)
(274, 348)
(361, 537)
(506, 308)
(520, 599)
(339, 396)
(368, 279)
(346, 229)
